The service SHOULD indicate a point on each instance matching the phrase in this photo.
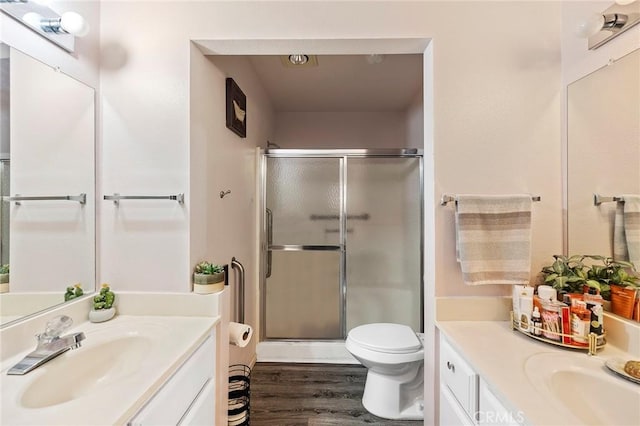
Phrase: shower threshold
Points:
(305, 351)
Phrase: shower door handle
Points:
(269, 241)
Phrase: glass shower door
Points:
(384, 240)
(305, 254)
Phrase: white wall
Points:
(220, 160)
(497, 98)
(496, 113)
(415, 123)
(340, 130)
(497, 122)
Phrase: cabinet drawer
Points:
(459, 377)
(171, 402)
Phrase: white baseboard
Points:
(305, 352)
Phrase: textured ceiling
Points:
(341, 83)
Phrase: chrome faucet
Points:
(50, 345)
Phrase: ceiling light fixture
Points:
(615, 20)
(61, 30)
(298, 59)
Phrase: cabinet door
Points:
(172, 401)
(493, 412)
(203, 410)
(459, 377)
(451, 413)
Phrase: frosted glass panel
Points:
(303, 295)
(383, 252)
(304, 197)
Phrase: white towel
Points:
(493, 238)
(619, 238)
(632, 227)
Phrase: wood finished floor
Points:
(311, 394)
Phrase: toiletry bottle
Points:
(526, 307)
(536, 321)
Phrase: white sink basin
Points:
(84, 370)
(582, 385)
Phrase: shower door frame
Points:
(343, 155)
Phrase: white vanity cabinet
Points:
(188, 396)
(465, 397)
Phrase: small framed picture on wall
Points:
(236, 109)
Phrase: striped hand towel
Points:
(632, 227)
(493, 238)
(619, 238)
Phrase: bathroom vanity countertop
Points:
(499, 355)
(108, 388)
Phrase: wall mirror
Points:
(603, 152)
(47, 173)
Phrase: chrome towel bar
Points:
(81, 198)
(599, 199)
(117, 197)
(445, 199)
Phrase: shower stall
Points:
(341, 241)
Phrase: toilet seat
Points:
(386, 338)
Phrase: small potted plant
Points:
(103, 309)
(624, 283)
(4, 278)
(73, 292)
(208, 278)
(617, 281)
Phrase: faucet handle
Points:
(55, 327)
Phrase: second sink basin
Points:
(84, 370)
(581, 385)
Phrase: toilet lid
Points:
(385, 337)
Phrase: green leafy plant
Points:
(4, 269)
(104, 299)
(566, 273)
(571, 274)
(207, 268)
(73, 292)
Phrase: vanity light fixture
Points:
(69, 22)
(615, 20)
(36, 15)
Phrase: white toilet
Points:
(394, 355)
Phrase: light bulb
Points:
(32, 18)
(74, 23)
(298, 59)
(591, 26)
(624, 2)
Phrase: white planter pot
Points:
(207, 283)
(102, 315)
